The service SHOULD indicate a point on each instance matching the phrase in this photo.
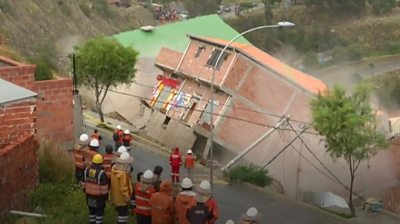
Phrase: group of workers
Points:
(150, 199)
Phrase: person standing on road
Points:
(96, 135)
(95, 186)
(79, 153)
(203, 209)
(117, 137)
(108, 159)
(127, 140)
(175, 160)
(157, 177)
(251, 217)
(143, 192)
(182, 200)
(162, 205)
(121, 187)
(190, 160)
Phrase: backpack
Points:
(115, 136)
(198, 214)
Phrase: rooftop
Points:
(304, 80)
(174, 35)
(11, 92)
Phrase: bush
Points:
(44, 69)
(55, 164)
(251, 174)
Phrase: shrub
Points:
(251, 174)
(55, 164)
(44, 69)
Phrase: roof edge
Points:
(11, 61)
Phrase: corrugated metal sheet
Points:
(10, 92)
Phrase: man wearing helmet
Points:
(79, 152)
(95, 185)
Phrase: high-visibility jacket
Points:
(121, 186)
(88, 156)
(79, 159)
(142, 200)
(175, 159)
(162, 205)
(181, 204)
(107, 161)
(211, 204)
(95, 181)
(189, 161)
(126, 140)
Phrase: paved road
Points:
(233, 200)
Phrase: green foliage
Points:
(380, 7)
(44, 68)
(251, 174)
(102, 63)
(199, 8)
(51, 167)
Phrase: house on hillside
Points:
(148, 42)
(253, 90)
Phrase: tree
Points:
(268, 14)
(103, 63)
(348, 123)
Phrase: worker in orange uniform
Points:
(182, 200)
(93, 149)
(96, 135)
(108, 160)
(190, 160)
(79, 152)
(175, 160)
(203, 208)
(95, 184)
(143, 192)
(117, 137)
(162, 205)
(127, 140)
(121, 186)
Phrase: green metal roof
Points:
(174, 35)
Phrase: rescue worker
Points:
(108, 160)
(251, 217)
(79, 152)
(95, 184)
(121, 149)
(162, 205)
(203, 208)
(143, 192)
(182, 200)
(127, 139)
(157, 177)
(121, 187)
(96, 135)
(93, 148)
(117, 137)
(189, 162)
(175, 160)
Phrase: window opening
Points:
(214, 56)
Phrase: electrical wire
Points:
(215, 114)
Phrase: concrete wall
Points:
(19, 173)
(54, 105)
(173, 134)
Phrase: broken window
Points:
(214, 57)
(166, 121)
(199, 50)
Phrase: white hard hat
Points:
(127, 131)
(119, 127)
(122, 149)
(124, 158)
(251, 214)
(205, 187)
(147, 176)
(187, 183)
(189, 151)
(84, 138)
(94, 143)
(230, 221)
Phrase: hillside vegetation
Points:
(45, 30)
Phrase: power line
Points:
(215, 114)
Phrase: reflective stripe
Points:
(96, 189)
(123, 218)
(78, 159)
(141, 198)
(143, 207)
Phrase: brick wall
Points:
(19, 173)
(22, 75)
(55, 110)
(17, 119)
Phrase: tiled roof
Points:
(11, 92)
(302, 79)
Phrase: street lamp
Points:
(281, 24)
